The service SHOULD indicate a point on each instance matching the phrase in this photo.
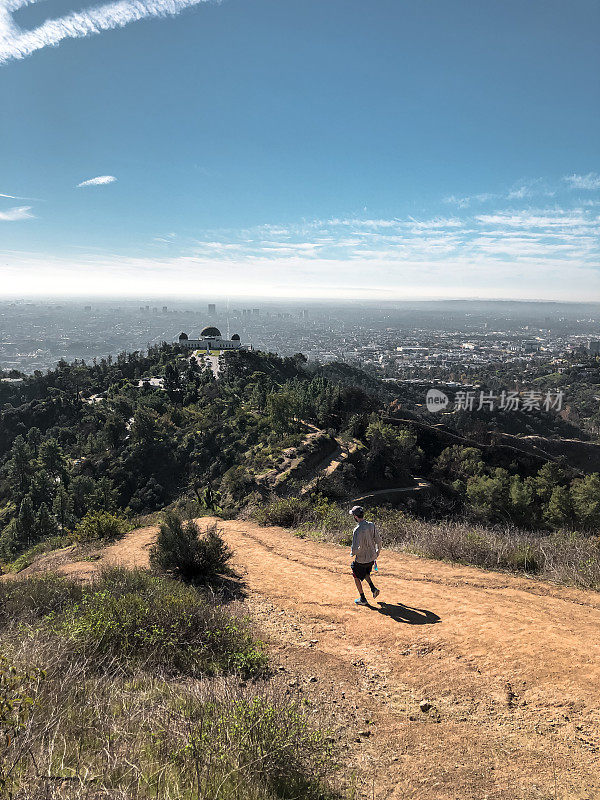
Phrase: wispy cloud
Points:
(529, 237)
(459, 202)
(589, 181)
(530, 188)
(522, 190)
(16, 214)
(16, 197)
(101, 180)
(16, 43)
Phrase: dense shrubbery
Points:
(131, 618)
(91, 694)
(302, 513)
(101, 526)
(183, 551)
(547, 499)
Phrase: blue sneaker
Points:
(361, 601)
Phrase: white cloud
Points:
(545, 252)
(529, 188)
(16, 43)
(14, 196)
(589, 181)
(16, 214)
(532, 237)
(101, 180)
(460, 202)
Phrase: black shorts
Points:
(361, 571)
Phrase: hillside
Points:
(508, 665)
(93, 439)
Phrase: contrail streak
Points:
(16, 43)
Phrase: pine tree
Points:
(172, 384)
(34, 439)
(26, 528)
(46, 525)
(42, 488)
(52, 458)
(20, 468)
(62, 508)
(559, 511)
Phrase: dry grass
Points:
(73, 726)
(565, 557)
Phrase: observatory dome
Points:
(210, 332)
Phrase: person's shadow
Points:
(410, 616)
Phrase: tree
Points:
(34, 439)
(62, 508)
(82, 490)
(489, 495)
(559, 511)
(548, 478)
(42, 488)
(114, 431)
(19, 468)
(460, 462)
(281, 409)
(104, 496)
(172, 384)
(144, 428)
(393, 452)
(258, 397)
(522, 507)
(52, 458)
(46, 525)
(26, 528)
(585, 494)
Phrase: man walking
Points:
(366, 544)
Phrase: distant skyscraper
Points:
(594, 348)
(256, 311)
(212, 308)
(165, 309)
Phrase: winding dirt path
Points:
(510, 666)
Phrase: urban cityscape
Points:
(407, 341)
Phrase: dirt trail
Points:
(510, 666)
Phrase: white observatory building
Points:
(210, 340)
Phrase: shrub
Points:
(141, 736)
(129, 618)
(37, 596)
(183, 552)
(265, 744)
(101, 525)
(16, 705)
(286, 512)
(140, 619)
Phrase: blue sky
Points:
(297, 147)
